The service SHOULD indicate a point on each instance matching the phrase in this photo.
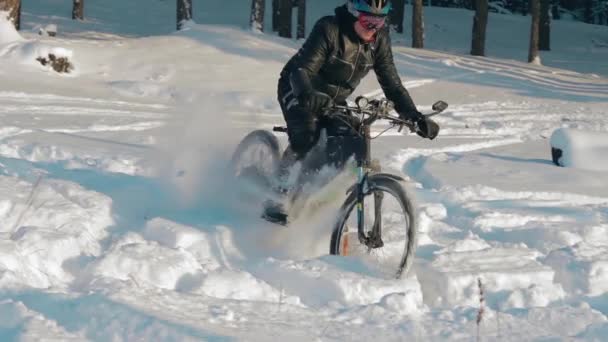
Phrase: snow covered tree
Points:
(184, 12)
(257, 15)
(417, 25)
(480, 22)
(397, 15)
(533, 56)
(544, 42)
(13, 7)
(78, 10)
(301, 19)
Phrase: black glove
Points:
(316, 101)
(309, 98)
(427, 128)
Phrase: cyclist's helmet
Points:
(373, 7)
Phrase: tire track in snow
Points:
(585, 87)
(20, 97)
(62, 110)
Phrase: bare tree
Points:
(301, 19)
(417, 25)
(533, 56)
(257, 15)
(480, 22)
(78, 10)
(397, 15)
(544, 43)
(184, 12)
(13, 7)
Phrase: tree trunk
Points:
(468, 4)
(588, 13)
(257, 15)
(555, 10)
(13, 7)
(275, 15)
(284, 18)
(184, 12)
(533, 56)
(544, 42)
(78, 10)
(480, 22)
(417, 25)
(523, 8)
(397, 15)
(301, 19)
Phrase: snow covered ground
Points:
(116, 225)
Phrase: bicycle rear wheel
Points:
(394, 255)
(256, 158)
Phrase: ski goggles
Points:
(371, 22)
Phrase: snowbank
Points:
(36, 53)
(34, 326)
(7, 30)
(42, 233)
(580, 149)
(14, 47)
(513, 271)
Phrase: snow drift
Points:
(580, 149)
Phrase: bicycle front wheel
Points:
(389, 225)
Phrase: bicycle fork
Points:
(374, 239)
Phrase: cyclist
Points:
(338, 53)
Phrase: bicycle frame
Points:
(376, 109)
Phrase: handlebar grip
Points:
(280, 129)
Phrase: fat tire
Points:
(394, 186)
(257, 137)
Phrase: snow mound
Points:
(15, 316)
(146, 263)
(59, 221)
(580, 149)
(14, 47)
(582, 268)
(31, 52)
(176, 236)
(340, 281)
(240, 285)
(453, 276)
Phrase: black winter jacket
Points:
(335, 60)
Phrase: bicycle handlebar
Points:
(374, 110)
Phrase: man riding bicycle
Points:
(338, 53)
